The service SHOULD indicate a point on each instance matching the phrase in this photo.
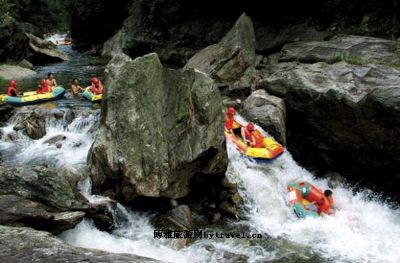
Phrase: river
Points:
(366, 228)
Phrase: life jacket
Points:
(259, 139)
(327, 204)
(12, 91)
(44, 89)
(97, 90)
(230, 122)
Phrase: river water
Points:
(364, 229)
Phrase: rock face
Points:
(20, 244)
(44, 51)
(34, 124)
(13, 41)
(267, 111)
(179, 218)
(39, 198)
(5, 111)
(171, 127)
(353, 49)
(231, 62)
(9, 72)
(342, 117)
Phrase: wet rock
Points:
(35, 197)
(231, 62)
(344, 115)
(5, 111)
(102, 214)
(9, 72)
(335, 180)
(66, 220)
(179, 122)
(20, 244)
(34, 125)
(179, 218)
(267, 111)
(73, 176)
(354, 49)
(25, 64)
(230, 257)
(45, 51)
(55, 139)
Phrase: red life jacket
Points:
(259, 139)
(12, 91)
(96, 90)
(44, 89)
(230, 122)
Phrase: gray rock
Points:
(354, 49)
(45, 51)
(36, 197)
(34, 124)
(179, 218)
(267, 111)
(55, 139)
(5, 111)
(9, 72)
(342, 117)
(231, 62)
(20, 244)
(171, 125)
(25, 64)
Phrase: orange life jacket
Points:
(44, 89)
(12, 91)
(230, 122)
(96, 90)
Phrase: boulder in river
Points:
(267, 111)
(9, 72)
(55, 139)
(34, 124)
(22, 244)
(342, 117)
(45, 51)
(179, 219)
(38, 197)
(159, 127)
(231, 62)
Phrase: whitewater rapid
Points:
(364, 229)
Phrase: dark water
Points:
(77, 67)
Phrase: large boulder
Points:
(40, 198)
(9, 72)
(21, 244)
(231, 62)
(45, 51)
(342, 117)
(170, 127)
(13, 41)
(353, 49)
(267, 111)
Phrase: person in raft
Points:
(44, 87)
(51, 80)
(325, 205)
(75, 88)
(231, 125)
(252, 137)
(97, 87)
(12, 90)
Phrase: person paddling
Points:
(325, 205)
(12, 90)
(97, 86)
(75, 88)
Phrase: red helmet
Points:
(231, 110)
(95, 80)
(250, 127)
(43, 81)
(13, 83)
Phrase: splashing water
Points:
(364, 229)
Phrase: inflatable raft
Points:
(31, 98)
(271, 150)
(87, 94)
(300, 196)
